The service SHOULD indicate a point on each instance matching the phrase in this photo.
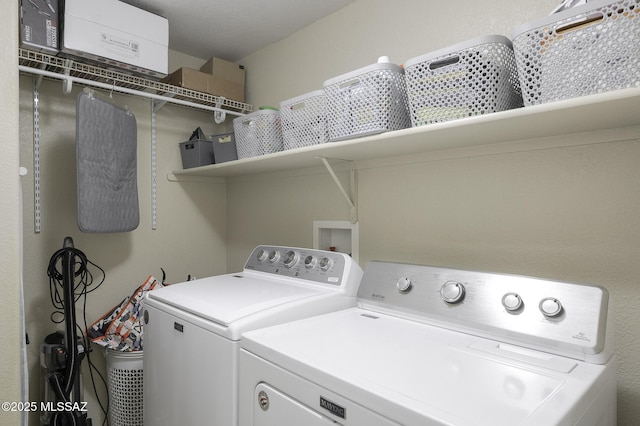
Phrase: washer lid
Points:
(411, 372)
(225, 299)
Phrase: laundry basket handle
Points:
(445, 62)
(582, 22)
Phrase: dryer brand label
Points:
(178, 327)
(334, 409)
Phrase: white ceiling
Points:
(233, 29)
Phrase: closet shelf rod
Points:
(115, 88)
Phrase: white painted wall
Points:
(10, 389)
(191, 216)
(566, 213)
(357, 35)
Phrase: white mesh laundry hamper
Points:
(366, 101)
(304, 120)
(580, 51)
(474, 77)
(258, 133)
(124, 377)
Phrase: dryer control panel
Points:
(558, 317)
(326, 267)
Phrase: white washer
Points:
(192, 330)
(434, 346)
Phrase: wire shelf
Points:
(66, 66)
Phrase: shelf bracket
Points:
(158, 104)
(38, 78)
(353, 186)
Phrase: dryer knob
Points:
(550, 307)
(512, 302)
(452, 292)
(403, 285)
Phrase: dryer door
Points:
(272, 407)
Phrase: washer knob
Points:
(550, 307)
(512, 301)
(290, 258)
(403, 285)
(452, 292)
(325, 263)
(262, 255)
(310, 262)
(274, 255)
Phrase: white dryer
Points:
(434, 346)
(192, 329)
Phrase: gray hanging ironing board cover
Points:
(106, 166)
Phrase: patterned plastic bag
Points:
(121, 328)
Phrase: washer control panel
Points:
(523, 310)
(320, 266)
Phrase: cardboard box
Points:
(189, 79)
(224, 69)
(207, 83)
(39, 28)
(116, 33)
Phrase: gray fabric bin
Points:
(224, 148)
(196, 153)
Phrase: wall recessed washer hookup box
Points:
(117, 34)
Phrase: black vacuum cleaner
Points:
(63, 353)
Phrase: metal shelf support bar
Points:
(154, 181)
(36, 157)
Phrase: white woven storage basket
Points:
(304, 120)
(366, 101)
(258, 133)
(125, 379)
(471, 78)
(581, 51)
